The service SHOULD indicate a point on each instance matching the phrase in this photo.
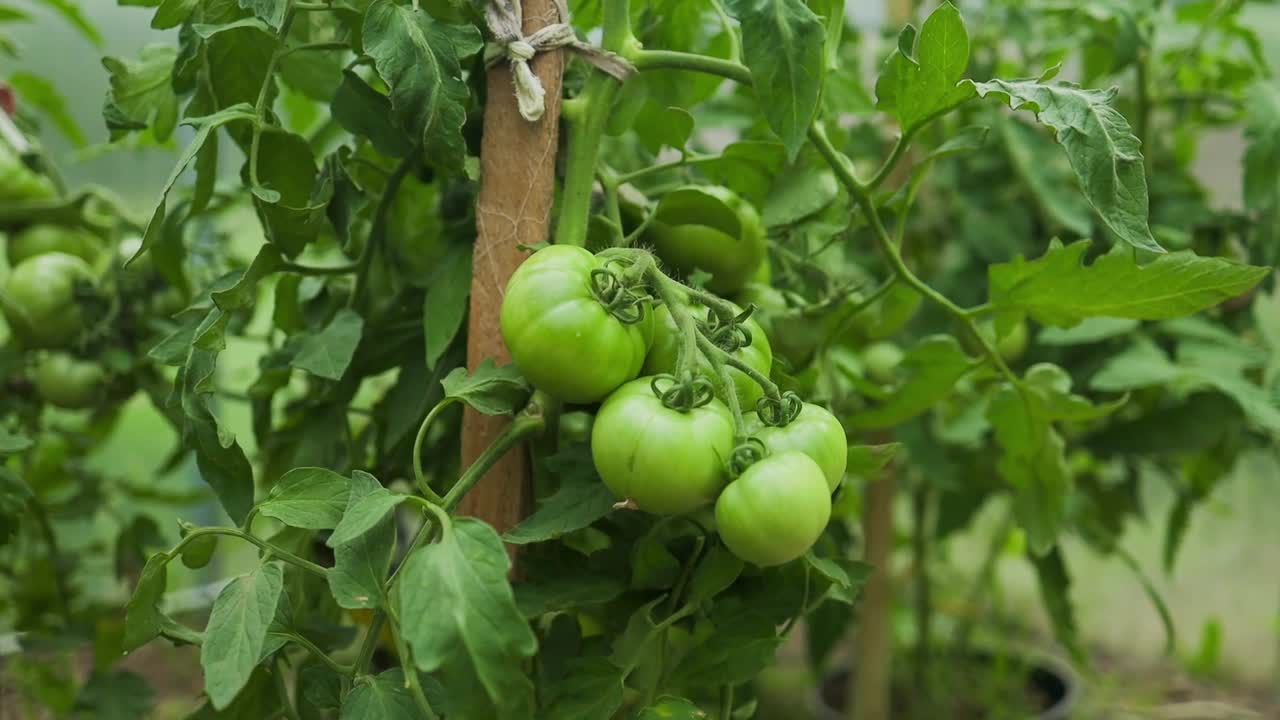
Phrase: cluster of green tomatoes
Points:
(687, 416)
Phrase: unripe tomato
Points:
(881, 360)
(709, 229)
(664, 460)
(561, 336)
(39, 299)
(197, 553)
(44, 238)
(67, 382)
(1011, 346)
(17, 181)
(576, 426)
(776, 510)
(814, 432)
(666, 350)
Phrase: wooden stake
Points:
(517, 160)
(873, 648)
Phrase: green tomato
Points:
(197, 553)
(881, 359)
(47, 462)
(67, 382)
(560, 335)
(39, 299)
(664, 460)
(709, 229)
(18, 183)
(43, 238)
(775, 511)
(575, 427)
(814, 432)
(666, 349)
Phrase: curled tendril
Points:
(777, 412)
(728, 334)
(745, 455)
(683, 394)
(620, 301)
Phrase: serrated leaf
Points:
(172, 13)
(716, 571)
(237, 630)
(1047, 176)
(1059, 289)
(369, 505)
(917, 89)
(291, 217)
(1090, 330)
(365, 112)
(744, 643)
(782, 43)
(360, 566)
(204, 127)
(928, 372)
(311, 498)
(445, 303)
(114, 695)
(592, 689)
(141, 93)
(1055, 592)
(419, 58)
(381, 697)
(220, 459)
(658, 127)
(574, 506)
(866, 460)
(465, 618)
(270, 12)
(143, 619)
(491, 390)
(1100, 146)
(566, 593)
(327, 353)
(236, 291)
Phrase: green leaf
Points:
(1090, 330)
(490, 389)
(658, 127)
(236, 291)
(782, 44)
(580, 501)
(115, 695)
(311, 498)
(928, 371)
(207, 31)
(220, 459)
(866, 460)
(291, 217)
(1262, 154)
(369, 505)
(237, 630)
(143, 619)
(327, 353)
(716, 571)
(445, 304)
(270, 12)
(592, 689)
(743, 643)
(1033, 462)
(916, 89)
(11, 443)
(237, 59)
(1055, 593)
(419, 59)
(172, 13)
(42, 95)
(381, 697)
(749, 167)
(1059, 289)
(141, 93)
(205, 126)
(71, 12)
(365, 112)
(798, 192)
(465, 620)
(672, 708)
(1101, 147)
(360, 565)
(1047, 175)
(566, 593)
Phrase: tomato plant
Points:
(565, 374)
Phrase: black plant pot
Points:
(1052, 684)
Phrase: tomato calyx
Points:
(618, 298)
(728, 332)
(684, 393)
(779, 411)
(748, 453)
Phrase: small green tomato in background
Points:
(709, 229)
(39, 299)
(665, 352)
(814, 432)
(776, 510)
(881, 360)
(44, 238)
(198, 552)
(576, 426)
(561, 336)
(664, 460)
(67, 382)
(1011, 346)
(19, 183)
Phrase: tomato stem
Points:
(524, 426)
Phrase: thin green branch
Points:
(260, 106)
(276, 551)
(321, 655)
(524, 426)
(419, 477)
(379, 226)
(684, 161)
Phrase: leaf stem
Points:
(313, 270)
(411, 671)
(684, 161)
(321, 655)
(726, 702)
(419, 477)
(260, 106)
(282, 689)
(524, 426)
(899, 147)
(275, 551)
(379, 226)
